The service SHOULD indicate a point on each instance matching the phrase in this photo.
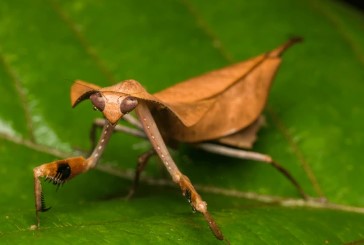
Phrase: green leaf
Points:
(314, 120)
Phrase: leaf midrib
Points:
(128, 174)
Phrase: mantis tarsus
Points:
(219, 112)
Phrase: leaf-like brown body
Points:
(208, 107)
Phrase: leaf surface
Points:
(314, 120)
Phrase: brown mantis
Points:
(218, 112)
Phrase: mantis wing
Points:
(226, 100)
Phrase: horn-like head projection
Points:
(114, 101)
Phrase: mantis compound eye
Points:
(128, 104)
(98, 101)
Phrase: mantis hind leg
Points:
(249, 155)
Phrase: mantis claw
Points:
(57, 172)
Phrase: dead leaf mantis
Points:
(219, 112)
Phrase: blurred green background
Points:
(314, 121)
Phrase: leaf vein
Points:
(296, 150)
(202, 24)
(14, 77)
(85, 44)
(340, 27)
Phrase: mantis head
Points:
(114, 101)
(113, 105)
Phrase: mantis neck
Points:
(100, 147)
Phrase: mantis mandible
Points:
(219, 112)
